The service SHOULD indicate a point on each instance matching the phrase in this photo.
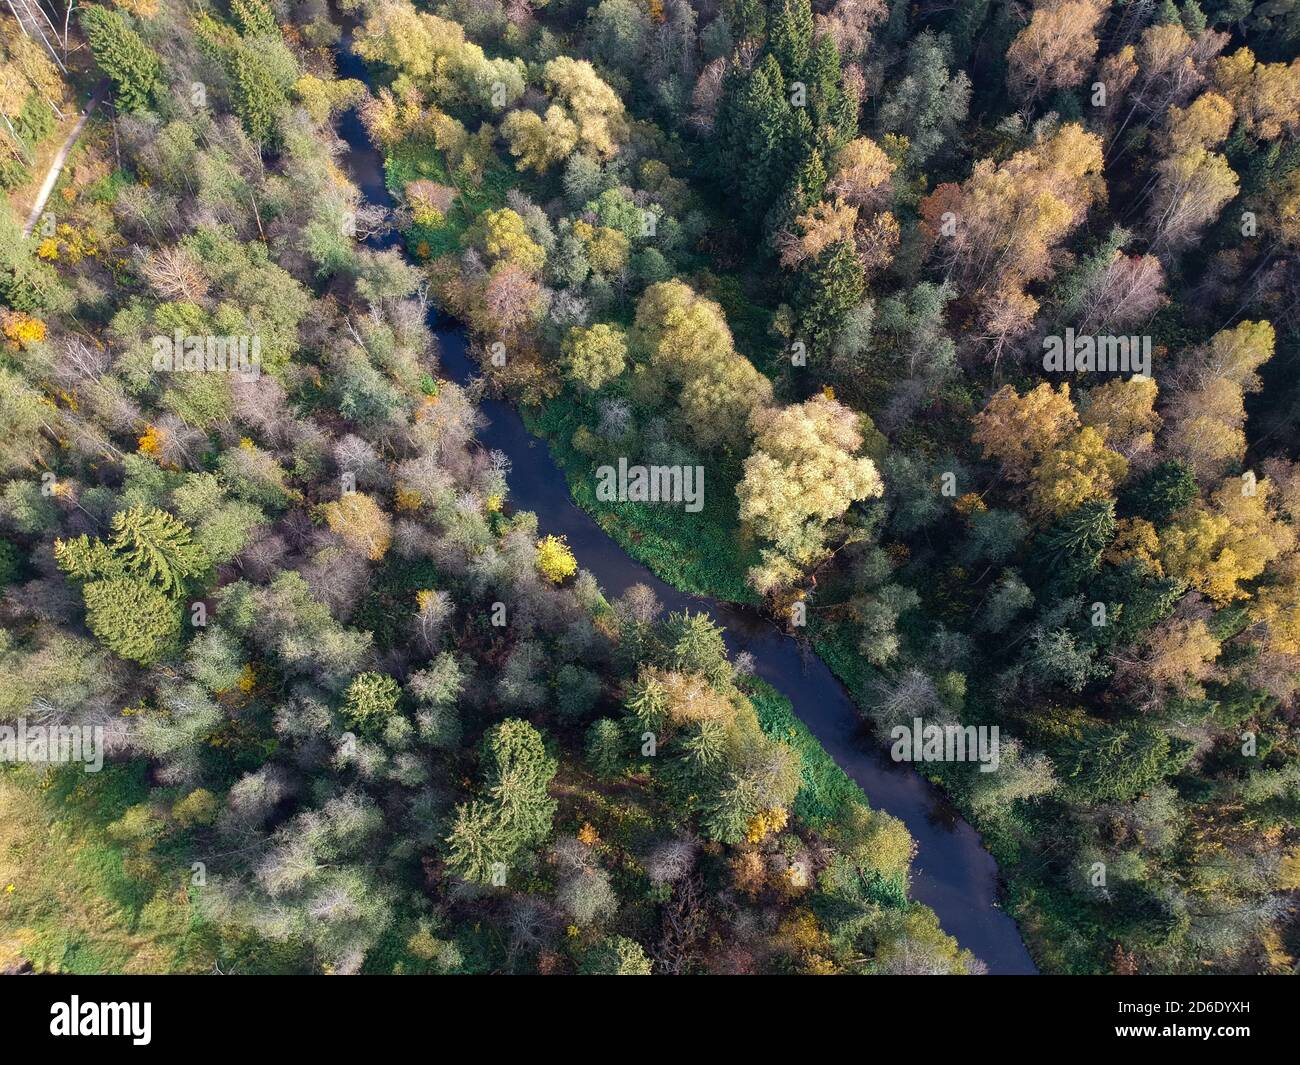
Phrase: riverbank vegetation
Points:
(357, 712)
(834, 254)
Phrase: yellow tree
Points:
(1215, 547)
(539, 142)
(1206, 428)
(1056, 49)
(1276, 607)
(592, 356)
(585, 114)
(690, 346)
(1191, 189)
(998, 231)
(1266, 95)
(594, 107)
(717, 401)
(504, 237)
(803, 473)
(1205, 123)
(862, 174)
(554, 560)
(1018, 430)
(1123, 411)
(1080, 470)
(362, 523)
(1207, 413)
(1176, 657)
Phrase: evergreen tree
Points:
(789, 37)
(824, 292)
(516, 812)
(120, 53)
(132, 618)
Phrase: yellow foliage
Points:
(1136, 538)
(21, 330)
(506, 239)
(1217, 547)
(554, 560)
(607, 249)
(362, 523)
(1081, 470)
(1288, 871)
(247, 679)
(1276, 607)
(1205, 123)
(1123, 411)
(1018, 430)
(749, 872)
(151, 442)
(407, 499)
(1266, 96)
(766, 822)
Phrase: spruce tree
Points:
(131, 64)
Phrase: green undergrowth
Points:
(698, 553)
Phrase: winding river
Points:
(952, 872)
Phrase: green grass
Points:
(72, 900)
(827, 791)
(414, 160)
(700, 553)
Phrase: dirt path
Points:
(56, 164)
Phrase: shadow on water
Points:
(952, 873)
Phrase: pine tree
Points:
(258, 99)
(156, 547)
(825, 292)
(120, 53)
(789, 37)
(132, 618)
(255, 18)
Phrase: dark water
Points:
(952, 873)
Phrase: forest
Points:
(961, 339)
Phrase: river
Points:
(952, 873)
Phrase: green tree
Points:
(694, 643)
(789, 37)
(615, 956)
(1115, 762)
(605, 746)
(120, 53)
(157, 547)
(132, 618)
(516, 812)
(824, 293)
(371, 699)
(1161, 492)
